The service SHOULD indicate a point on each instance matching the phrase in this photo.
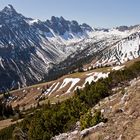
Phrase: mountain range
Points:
(30, 48)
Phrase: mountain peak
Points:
(9, 9)
(10, 6)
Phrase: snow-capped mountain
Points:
(123, 50)
(107, 47)
(30, 47)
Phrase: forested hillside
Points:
(51, 119)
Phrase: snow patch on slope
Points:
(66, 81)
(1, 63)
(31, 22)
(56, 85)
(95, 77)
(117, 67)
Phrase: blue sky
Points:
(97, 13)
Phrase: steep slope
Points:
(104, 47)
(78, 107)
(124, 50)
(122, 111)
(57, 90)
(29, 47)
(123, 114)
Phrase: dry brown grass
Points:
(7, 122)
(33, 92)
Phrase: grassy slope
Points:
(34, 92)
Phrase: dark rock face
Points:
(61, 26)
(124, 28)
